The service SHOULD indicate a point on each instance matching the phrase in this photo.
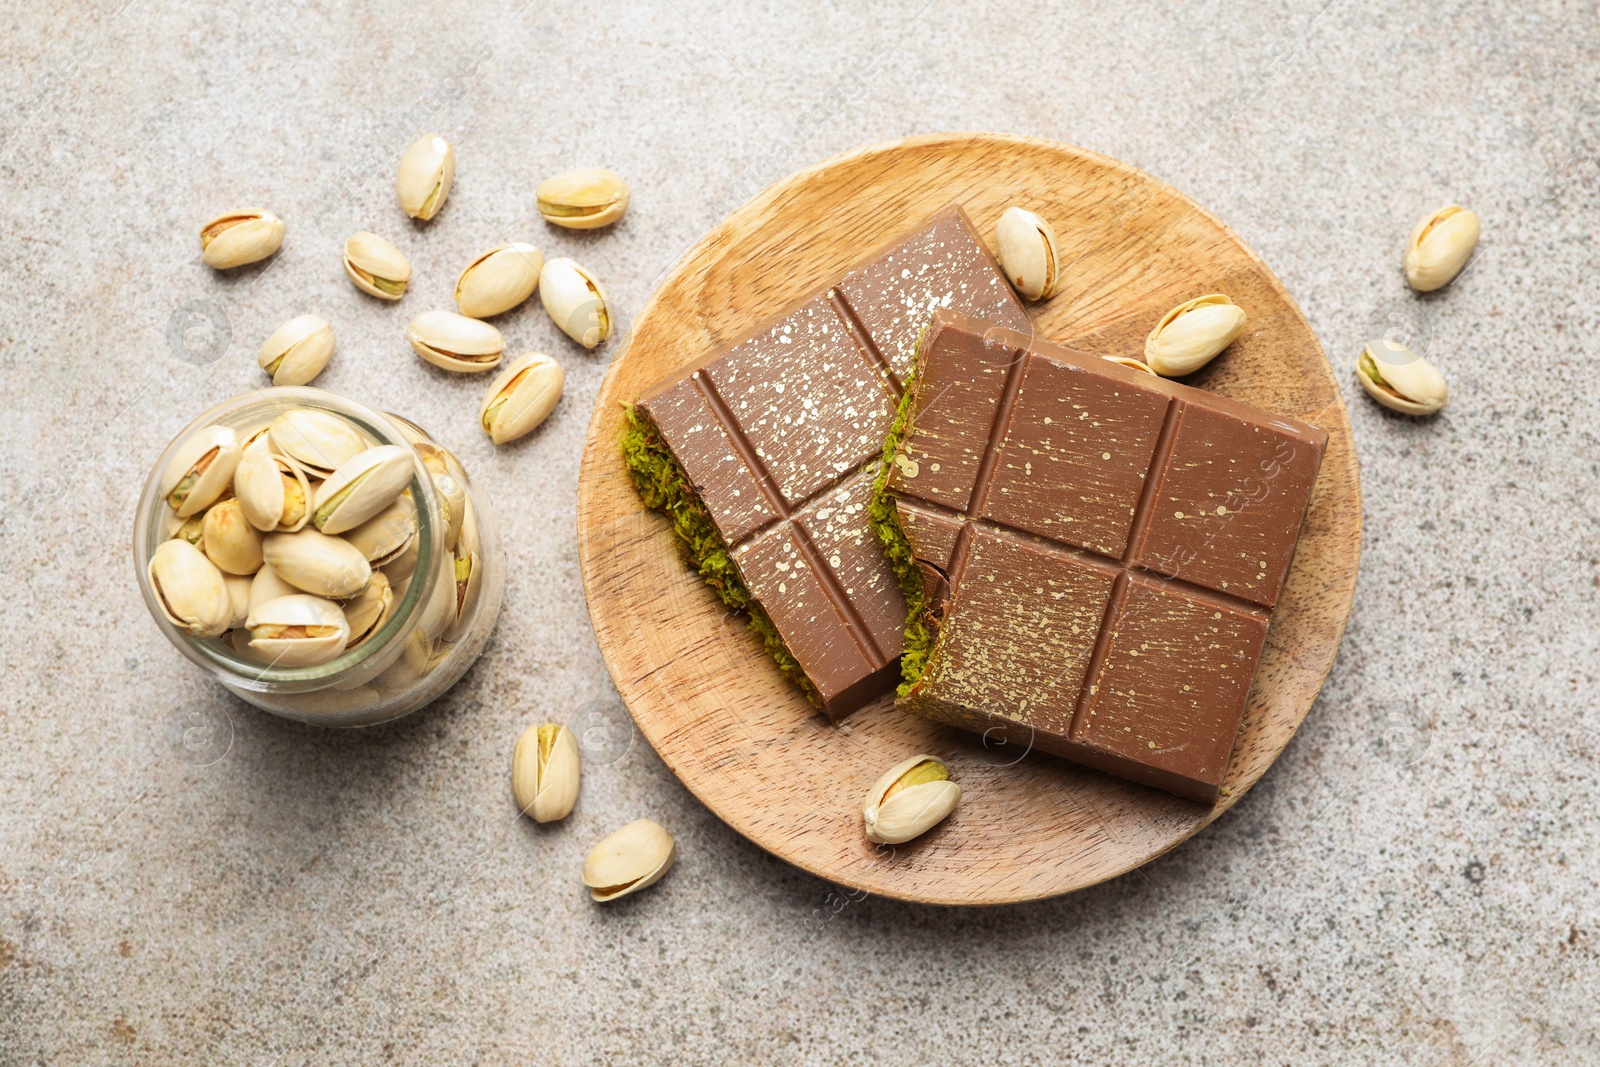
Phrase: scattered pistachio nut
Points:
(426, 172)
(317, 563)
(1028, 253)
(228, 539)
(1191, 334)
(544, 772)
(583, 199)
(909, 800)
(521, 397)
(1130, 363)
(273, 492)
(455, 342)
(376, 266)
(200, 471)
(315, 441)
(236, 238)
(298, 631)
(498, 280)
(298, 350)
(362, 486)
(1440, 246)
(369, 609)
(1399, 379)
(575, 301)
(634, 857)
(190, 589)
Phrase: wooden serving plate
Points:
(698, 683)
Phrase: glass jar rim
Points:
(258, 408)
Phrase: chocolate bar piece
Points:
(1091, 553)
(764, 456)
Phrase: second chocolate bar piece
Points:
(762, 456)
(1092, 553)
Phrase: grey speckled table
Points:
(1415, 881)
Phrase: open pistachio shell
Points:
(469, 585)
(1027, 247)
(521, 397)
(265, 585)
(583, 199)
(630, 859)
(201, 470)
(387, 534)
(909, 799)
(190, 589)
(298, 350)
(1191, 334)
(1440, 247)
(274, 493)
(236, 238)
(315, 441)
(426, 172)
(362, 486)
(228, 539)
(259, 440)
(1130, 363)
(452, 497)
(316, 563)
(401, 566)
(498, 280)
(376, 266)
(238, 597)
(298, 630)
(191, 529)
(544, 772)
(1401, 380)
(575, 301)
(455, 342)
(369, 609)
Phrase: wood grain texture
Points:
(698, 683)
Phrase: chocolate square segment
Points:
(1101, 550)
(777, 436)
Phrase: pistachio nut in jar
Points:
(322, 560)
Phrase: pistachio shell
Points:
(362, 486)
(455, 342)
(191, 529)
(1440, 246)
(387, 534)
(316, 563)
(575, 301)
(236, 238)
(909, 799)
(315, 441)
(498, 280)
(298, 630)
(583, 199)
(630, 859)
(544, 772)
(1130, 363)
(190, 589)
(521, 397)
(200, 471)
(266, 585)
(238, 598)
(401, 566)
(468, 572)
(369, 609)
(1191, 334)
(228, 539)
(298, 350)
(1401, 380)
(376, 266)
(274, 493)
(439, 612)
(426, 171)
(1028, 255)
(258, 440)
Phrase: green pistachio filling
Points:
(390, 286)
(661, 484)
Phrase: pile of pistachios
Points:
(1196, 331)
(294, 544)
(502, 278)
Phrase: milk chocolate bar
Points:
(764, 456)
(1091, 554)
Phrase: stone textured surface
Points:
(183, 879)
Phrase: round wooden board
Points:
(698, 683)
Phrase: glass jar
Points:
(438, 624)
